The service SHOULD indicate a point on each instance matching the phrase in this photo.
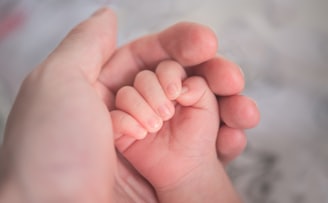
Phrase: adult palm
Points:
(58, 142)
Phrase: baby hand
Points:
(166, 124)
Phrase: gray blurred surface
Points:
(282, 46)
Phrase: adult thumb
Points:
(87, 47)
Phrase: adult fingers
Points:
(223, 76)
(239, 112)
(230, 143)
(87, 47)
(187, 43)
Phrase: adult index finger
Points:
(187, 43)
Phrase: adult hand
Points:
(195, 47)
(58, 144)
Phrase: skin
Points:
(59, 140)
(177, 155)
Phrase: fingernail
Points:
(154, 124)
(172, 91)
(255, 102)
(241, 71)
(164, 112)
(99, 12)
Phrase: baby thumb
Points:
(196, 93)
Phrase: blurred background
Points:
(282, 46)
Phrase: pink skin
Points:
(58, 141)
(175, 155)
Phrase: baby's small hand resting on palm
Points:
(166, 126)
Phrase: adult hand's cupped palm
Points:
(59, 139)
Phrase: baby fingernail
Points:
(164, 111)
(154, 124)
(173, 91)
